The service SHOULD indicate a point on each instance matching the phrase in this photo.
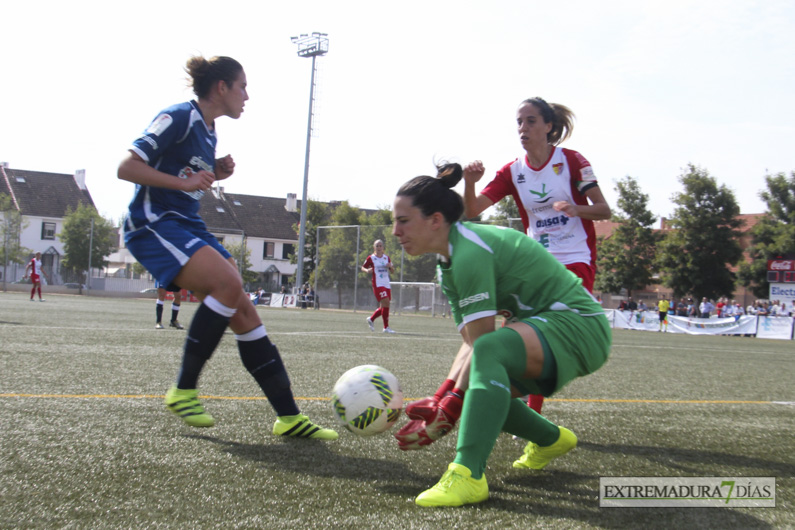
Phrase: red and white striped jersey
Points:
(565, 176)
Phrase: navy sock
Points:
(159, 312)
(206, 330)
(263, 362)
(174, 312)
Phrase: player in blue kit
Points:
(556, 332)
(172, 165)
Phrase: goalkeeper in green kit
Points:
(556, 332)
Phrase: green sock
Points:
(487, 401)
(528, 424)
(481, 421)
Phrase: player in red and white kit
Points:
(552, 188)
(34, 266)
(379, 265)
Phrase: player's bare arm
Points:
(224, 167)
(133, 169)
(474, 204)
(597, 210)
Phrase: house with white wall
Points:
(43, 200)
(267, 224)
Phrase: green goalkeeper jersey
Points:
(494, 270)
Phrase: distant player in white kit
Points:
(379, 265)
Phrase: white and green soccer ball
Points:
(367, 400)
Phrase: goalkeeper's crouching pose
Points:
(557, 332)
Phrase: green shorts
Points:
(580, 346)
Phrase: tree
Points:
(317, 214)
(243, 262)
(77, 233)
(506, 209)
(626, 258)
(337, 253)
(773, 236)
(138, 270)
(695, 256)
(11, 226)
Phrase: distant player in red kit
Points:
(379, 265)
(554, 188)
(34, 266)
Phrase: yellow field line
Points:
(258, 398)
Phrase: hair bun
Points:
(449, 174)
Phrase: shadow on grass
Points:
(551, 494)
(680, 458)
(313, 457)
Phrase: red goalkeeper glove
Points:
(430, 420)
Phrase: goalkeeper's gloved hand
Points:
(430, 420)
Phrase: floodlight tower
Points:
(313, 46)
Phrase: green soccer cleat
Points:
(537, 457)
(455, 488)
(185, 404)
(176, 324)
(302, 427)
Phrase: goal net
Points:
(419, 297)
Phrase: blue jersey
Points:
(177, 142)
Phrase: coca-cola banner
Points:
(781, 264)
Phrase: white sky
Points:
(655, 85)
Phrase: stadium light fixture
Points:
(314, 46)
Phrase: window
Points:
(287, 250)
(47, 230)
(267, 251)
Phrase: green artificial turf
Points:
(85, 441)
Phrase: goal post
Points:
(418, 297)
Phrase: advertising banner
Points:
(283, 300)
(775, 328)
(784, 292)
(650, 321)
(744, 325)
(643, 320)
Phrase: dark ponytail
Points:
(204, 73)
(435, 194)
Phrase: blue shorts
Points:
(159, 286)
(164, 247)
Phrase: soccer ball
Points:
(367, 400)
